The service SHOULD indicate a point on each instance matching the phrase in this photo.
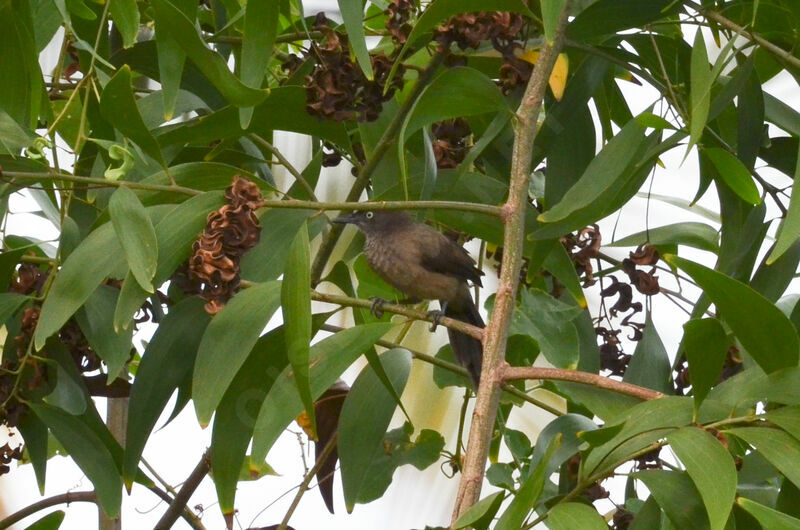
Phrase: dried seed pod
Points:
(230, 232)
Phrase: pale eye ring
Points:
(369, 215)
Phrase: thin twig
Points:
(487, 209)
(307, 480)
(63, 498)
(286, 164)
(399, 309)
(496, 333)
(183, 496)
(774, 49)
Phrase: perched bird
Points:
(425, 265)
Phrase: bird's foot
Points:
(436, 316)
(377, 306)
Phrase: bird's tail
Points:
(467, 350)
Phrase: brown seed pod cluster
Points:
(503, 29)
(34, 373)
(230, 232)
(583, 247)
(337, 89)
(7, 454)
(449, 142)
(398, 19)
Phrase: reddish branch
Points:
(509, 373)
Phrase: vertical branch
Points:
(116, 420)
(496, 333)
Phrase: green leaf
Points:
(705, 345)
(136, 235)
(13, 137)
(644, 423)
(767, 517)
(605, 176)
(166, 364)
(573, 515)
(551, 9)
(238, 410)
(691, 234)
(125, 14)
(171, 59)
(607, 17)
(267, 259)
(260, 29)
(710, 467)
(790, 226)
(201, 176)
(568, 429)
(458, 91)
(700, 90)
(34, 432)
(353, 16)
(296, 306)
(97, 323)
(734, 174)
(227, 342)
(80, 274)
(361, 439)
(549, 321)
(606, 404)
(770, 339)
(650, 366)
(480, 514)
(9, 303)
(529, 492)
(68, 394)
(283, 110)
(678, 497)
(779, 448)
(210, 63)
(88, 451)
(51, 521)
(327, 360)
(118, 106)
(174, 235)
(20, 62)
(787, 418)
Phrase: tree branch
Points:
(63, 498)
(182, 498)
(496, 333)
(456, 369)
(326, 451)
(362, 179)
(780, 53)
(509, 373)
(399, 309)
(487, 209)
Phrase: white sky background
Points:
(415, 498)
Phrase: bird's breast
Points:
(404, 272)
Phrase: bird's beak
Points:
(346, 219)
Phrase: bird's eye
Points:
(369, 215)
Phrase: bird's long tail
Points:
(467, 350)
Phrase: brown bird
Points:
(425, 265)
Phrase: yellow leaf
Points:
(558, 77)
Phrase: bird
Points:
(424, 264)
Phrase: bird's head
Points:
(374, 221)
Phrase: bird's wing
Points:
(440, 254)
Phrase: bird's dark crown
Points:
(372, 221)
